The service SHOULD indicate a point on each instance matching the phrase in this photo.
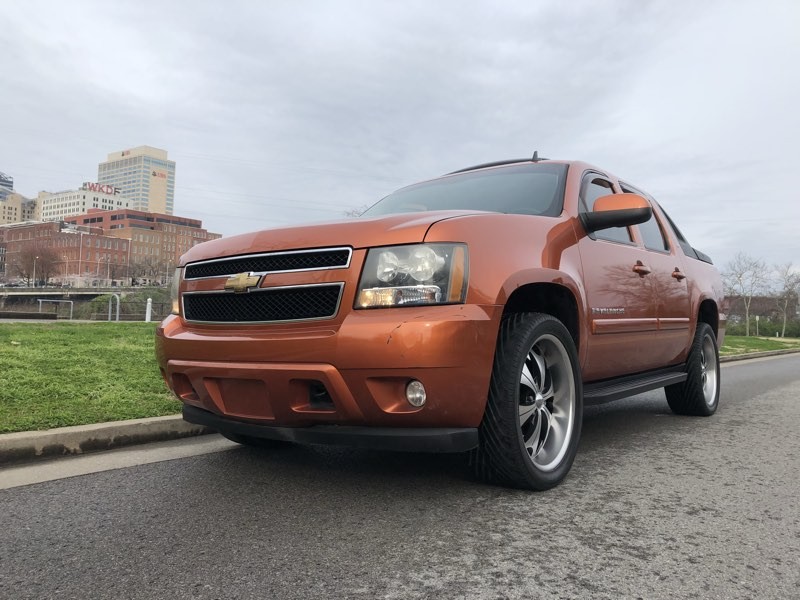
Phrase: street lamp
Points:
(35, 258)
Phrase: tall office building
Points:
(144, 176)
(6, 185)
(16, 208)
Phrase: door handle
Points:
(678, 275)
(641, 268)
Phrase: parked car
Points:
(477, 312)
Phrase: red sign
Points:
(100, 187)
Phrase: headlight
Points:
(174, 291)
(414, 275)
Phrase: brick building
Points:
(101, 247)
(79, 256)
(156, 238)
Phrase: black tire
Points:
(534, 352)
(699, 394)
(255, 442)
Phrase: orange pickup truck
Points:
(477, 312)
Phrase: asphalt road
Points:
(656, 506)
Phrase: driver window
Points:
(593, 190)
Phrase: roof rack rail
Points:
(498, 163)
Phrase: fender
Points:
(550, 276)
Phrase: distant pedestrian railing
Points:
(133, 311)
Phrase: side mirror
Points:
(616, 210)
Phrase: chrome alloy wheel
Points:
(708, 371)
(547, 402)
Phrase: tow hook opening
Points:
(318, 396)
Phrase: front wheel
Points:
(530, 430)
(699, 394)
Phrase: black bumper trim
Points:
(402, 439)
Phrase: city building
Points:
(100, 247)
(15, 208)
(144, 176)
(157, 240)
(6, 185)
(3, 231)
(57, 206)
(78, 256)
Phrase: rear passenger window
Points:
(686, 246)
(652, 236)
(593, 190)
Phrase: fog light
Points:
(415, 393)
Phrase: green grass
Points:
(59, 374)
(740, 344)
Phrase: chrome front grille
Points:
(264, 305)
(272, 262)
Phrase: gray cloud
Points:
(279, 113)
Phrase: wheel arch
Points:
(708, 313)
(550, 298)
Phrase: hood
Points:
(406, 228)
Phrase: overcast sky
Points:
(285, 112)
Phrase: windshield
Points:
(527, 189)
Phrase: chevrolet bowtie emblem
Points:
(242, 282)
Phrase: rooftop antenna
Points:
(537, 158)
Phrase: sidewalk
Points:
(27, 446)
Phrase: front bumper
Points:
(403, 439)
(347, 377)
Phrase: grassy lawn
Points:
(739, 344)
(58, 374)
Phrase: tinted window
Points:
(686, 246)
(528, 189)
(652, 235)
(593, 190)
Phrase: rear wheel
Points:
(530, 430)
(699, 394)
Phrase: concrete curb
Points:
(736, 357)
(27, 446)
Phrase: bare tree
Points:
(138, 269)
(36, 263)
(745, 277)
(787, 287)
(356, 211)
(152, 269)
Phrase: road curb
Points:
(750, 355)
(27, 446)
